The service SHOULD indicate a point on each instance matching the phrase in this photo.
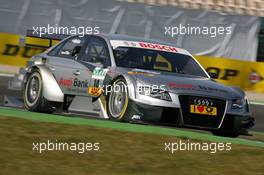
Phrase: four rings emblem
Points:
(203, 102)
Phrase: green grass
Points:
(256, 101)
(7, 72)
(121, 152)
(125, 127)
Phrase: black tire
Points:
(225, 134)
(33, 98)
(115, 112)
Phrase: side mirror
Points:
(213, 75)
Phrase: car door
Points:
(72, 76)
(96, 58)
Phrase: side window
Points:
(56, 49)
(96, 52)
(70, 48)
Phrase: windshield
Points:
(156, 60)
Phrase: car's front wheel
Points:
(118, 100)
(33, 98)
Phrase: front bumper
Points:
(173, 116)
(236, 123)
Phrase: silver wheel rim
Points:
(117, 99)
(33, 89)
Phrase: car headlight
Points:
(155, 93)
(239, 103)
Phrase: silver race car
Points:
(130, 79)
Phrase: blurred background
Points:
(236, 58)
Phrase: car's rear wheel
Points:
(33, 98)
(118, 100)
(225, 134)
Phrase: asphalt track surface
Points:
(257, 110)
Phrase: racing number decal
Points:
(98, 74)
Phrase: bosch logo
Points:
(203, 102)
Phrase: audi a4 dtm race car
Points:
(136, 80)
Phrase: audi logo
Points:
(203, 102)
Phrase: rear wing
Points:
(34, 39)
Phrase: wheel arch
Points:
(51, 89)
(239, 90)
(131, 84)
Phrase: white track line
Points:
(256, 103)
(6, 75)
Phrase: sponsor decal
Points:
(80, 83)
(95, 91)
(203, 106)
(27, 52)
(73, 82)
(65, 82)
(196, 109)
(99, 73)
(136, 117)
(144, 45)
(223, 74)
(13, 50)
(231, 72)
(254, 77)
(173, 85)
(200, 88)
(157, 47)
